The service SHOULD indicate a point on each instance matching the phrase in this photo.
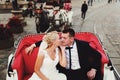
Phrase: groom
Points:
(84, 62)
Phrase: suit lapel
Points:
(78, 49)
(78, 46)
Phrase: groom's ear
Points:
(72, 39)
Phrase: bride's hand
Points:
(62, 48)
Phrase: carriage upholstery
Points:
(24, 63)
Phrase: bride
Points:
(48, 57)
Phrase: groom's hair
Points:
(70, 31)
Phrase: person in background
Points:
(84, 9)
(30, 9)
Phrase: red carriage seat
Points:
(24, 63)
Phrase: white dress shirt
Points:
(74, 57)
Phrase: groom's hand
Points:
(29, 49)
(91, 74)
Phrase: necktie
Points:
(69, 48)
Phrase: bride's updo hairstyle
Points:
(50, 37)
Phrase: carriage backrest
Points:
(26, 63)
(29, 60)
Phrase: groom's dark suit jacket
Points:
(88, 57)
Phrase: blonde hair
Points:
(50, 37)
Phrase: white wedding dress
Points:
(48, 68)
